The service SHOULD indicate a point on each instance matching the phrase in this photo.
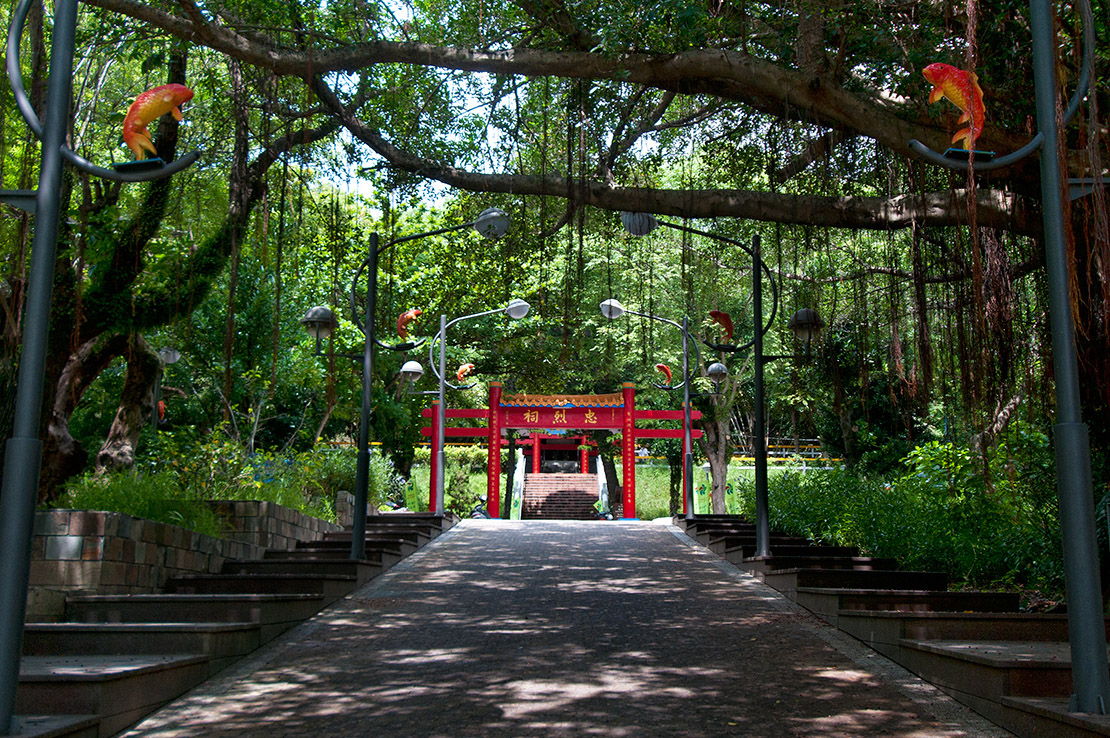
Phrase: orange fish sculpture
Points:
(962, 88)
(149, 106)
(724, 320)
(463, 371)
(403, 321)
(666, 370)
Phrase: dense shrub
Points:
(985, 522)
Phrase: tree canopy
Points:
(322, 123)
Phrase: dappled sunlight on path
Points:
(552, 629)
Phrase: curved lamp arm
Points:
(689, 340)
(15, 77)
(491, 223)
(762, 266)
(1076, 99)
(439, 337)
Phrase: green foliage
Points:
(150, 495)
(940, 515)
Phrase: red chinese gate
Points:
(557, 412)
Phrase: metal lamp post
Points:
(23, 449)
(1071, 443)
(320, 322)
(641, 224)
(516, 309)
(613, 309)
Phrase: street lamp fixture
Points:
(613, 309)
(516, 309)
(321, 322)
(639, 224)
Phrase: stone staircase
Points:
(119, 657)
(551, 496)
(1011, 667)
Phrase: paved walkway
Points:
(503, 628)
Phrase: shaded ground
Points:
(503, 628)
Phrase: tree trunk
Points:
(717, 449)
(63, 456)
(136, 403)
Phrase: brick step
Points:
(788, 581)
(885, 630)
(759, 565)
(362, 571)
(330, 587)
(829, 603)
(118, 689)
(372, 557)
(274, 613)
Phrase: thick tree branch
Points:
(721, 73)
(995, 208)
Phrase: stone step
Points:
(391, 545)
(992, 677)
(885, 630)
(760, 565)
(783, 550)
(1036, 716)
(373, 557)
(274, 613)
(788, 581)
(222, 643)
(430, 523)
(362, 571)
(386, 534)
(829, 603)
(330, 587)
(118, 689)
(57, 726)
(736, 548)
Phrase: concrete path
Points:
(502, 628)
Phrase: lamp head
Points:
(612, 308)
(517, 309)
(717, 373)
(806, 324)
(411, 371)
(492, 223)
(320, 322)
(639, 224)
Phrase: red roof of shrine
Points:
(526, 400)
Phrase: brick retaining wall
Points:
(113, 553)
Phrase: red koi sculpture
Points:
(725, 321)
(666, 371)
(463, 371)
(149, 106)
(404, 319)
(962, 88)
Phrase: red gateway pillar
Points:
(584, 456)
(536, 453)
(493, 458)
(628, 450)
(433, 475)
